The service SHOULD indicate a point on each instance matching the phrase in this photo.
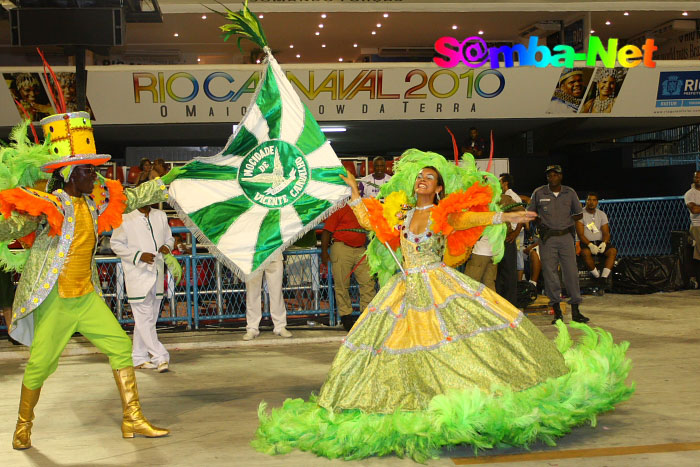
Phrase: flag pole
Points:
(395, 258)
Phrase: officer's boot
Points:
(348, 321)
(576, 315)
(557, 313)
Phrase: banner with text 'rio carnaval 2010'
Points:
(377, 91)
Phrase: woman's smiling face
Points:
(427, 182)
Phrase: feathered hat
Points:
(70, 138)
(69, 134)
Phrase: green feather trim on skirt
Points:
(594, 384)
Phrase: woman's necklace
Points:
(423, 208)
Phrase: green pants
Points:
(55, 321)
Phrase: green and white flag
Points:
(276, 178)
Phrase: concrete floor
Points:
(210, 398)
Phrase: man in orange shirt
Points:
(347, 251)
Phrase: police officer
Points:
(558, 208)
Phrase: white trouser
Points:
(145, 337)
(253, 313)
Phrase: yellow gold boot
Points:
(133, 423)
(23, 431)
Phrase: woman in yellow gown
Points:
(438, 359)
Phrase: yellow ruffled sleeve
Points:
(469, 219)
(361, 213)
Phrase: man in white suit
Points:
(141, 241)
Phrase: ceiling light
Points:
(333, 129)
(323, 15)
(626, 13)
(204, 16)
(374, 33)
(320, 25)
(685, 13)
(260, 16)
(199, 59)
(257, 61)
(386, 15)
(298, 55)
(291, 46)
(608, 23)
(379, 25)
(481, 32)
(323, 45)
(354, 45)
(176, 35)
(340, 59)
(592, 31)
(454, 26)
(318, 33)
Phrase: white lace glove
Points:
(593, 248)
(602, 247)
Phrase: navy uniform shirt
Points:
(555, 211)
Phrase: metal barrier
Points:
(667, 159)
(218, 294)
(642, 226)
(209, 293)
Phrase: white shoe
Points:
(250, 335)
(163, 367)
(283, 333)
(146, 366)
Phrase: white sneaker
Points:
(250, 335)
(283, 333)
(146, 366)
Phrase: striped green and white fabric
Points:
(276, 178)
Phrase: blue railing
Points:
(209, 293)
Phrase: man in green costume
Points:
(59, 291)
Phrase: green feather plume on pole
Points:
(244, 24)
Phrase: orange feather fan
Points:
(476, 199)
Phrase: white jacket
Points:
(139, 234)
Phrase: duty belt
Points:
(546, 233)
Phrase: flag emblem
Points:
(269, 182)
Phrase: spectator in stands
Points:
(474, 144)
(533, 252)
(370, 185)
(507, 275)
(159, 169)
(274, 275)
(594, 234)
(692, 201)
(480, 265)
(141, 241)
(303, 270)
(146, 166)
(558, 208)
(347, 258)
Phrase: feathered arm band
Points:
(460, 237)
(384, 218)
